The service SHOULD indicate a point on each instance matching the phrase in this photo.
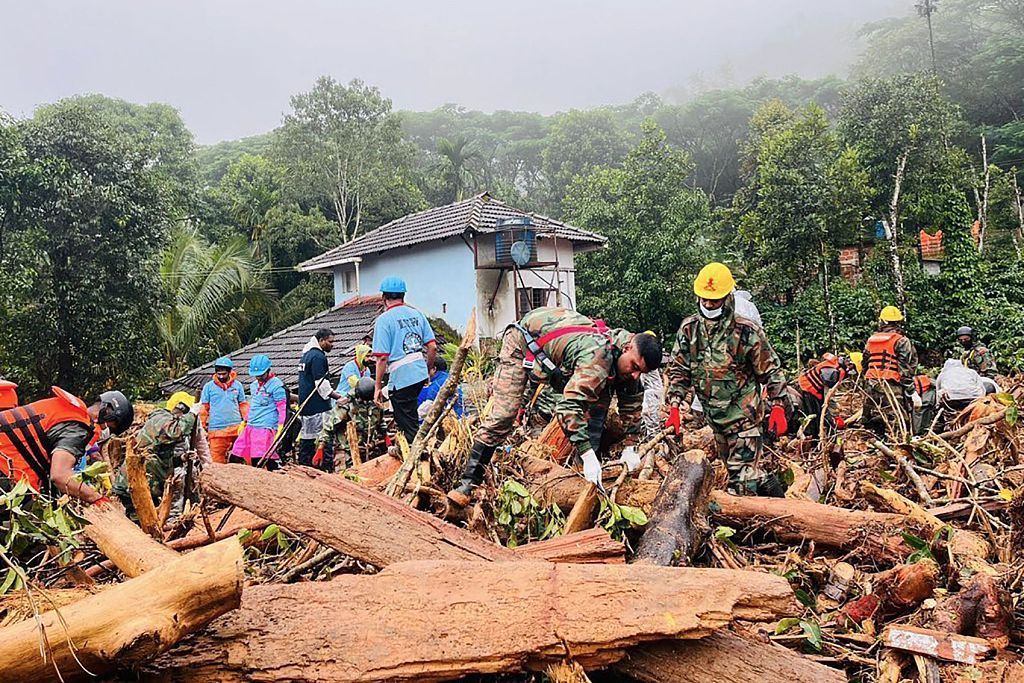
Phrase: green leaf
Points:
(914, 541)
(786, 624)
(9, 581)
(724, 533)
(513, 486)
(634, 516)
(813, 633)
(805, 598)
(269, 532)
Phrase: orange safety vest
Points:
(810, 380)
(8, 394)
(24, 447)
(922, 383)
(882, 361)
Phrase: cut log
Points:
(352, 519)
(723, 658)
(982, 607)
(434, 621)
(198, 536)
(876, 535)
(125, 544)
(677, 524)
(581, 516)
(896, 591)
(375, 471)
(16, 606)
(138, 488)
(939, 644)
(552, 484)
(590, 546)
(130, 623)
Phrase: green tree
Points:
(252, 187)
(577, 143)
(656, 229)
(456, 156)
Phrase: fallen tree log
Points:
(591, 546)
(375, 471)
(876, 535)
(237, 521)
(676, 526)
(128, 624)
(434, 621)
(131, 549)
(138, 489)
(552, 484)
(723, 658)
(982, 608)
(352, 519)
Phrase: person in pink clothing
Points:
(267, 412)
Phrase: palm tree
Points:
(215, 292)
(455, 155)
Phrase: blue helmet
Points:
(224, 362)
(259, 364)
(393, 285)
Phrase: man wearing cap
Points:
(404, 346)
(267, 413)
(890, 364)
(223, 408)
(976, 355)
(358, 407)
(724, 359)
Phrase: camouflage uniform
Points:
(877, 402)
(725, 361)
(167, 437)
(587, 362)
(630, 400)
(981, 360)
(369, 419)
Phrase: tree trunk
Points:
(352, 519)
(126, 545)
(434, 621)
(677, 524)
(375, 471)
(895, 591)
(826, 292)
(127, 624)
(894, 220)
(590, 546)
(138, 487)
(876, 535)
(723, 658)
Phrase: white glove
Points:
(196, 407)
(630, 458)
(592, 468)
(915, 398)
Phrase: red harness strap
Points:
(599, 327)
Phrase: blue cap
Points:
(259, 364)
(393, 285)
(224, 362)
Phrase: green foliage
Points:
(521, 518)
(618, 519)
(578, 143)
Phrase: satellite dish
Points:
(520, 253)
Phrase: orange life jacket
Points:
(882, 361)
(24, 447)
(922, 383)
(811, 381)
(8, 394)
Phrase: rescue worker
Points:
(359, 407)
(223, 408)
(813, 385)
(957, 387)
(41, 442)
(8, 394)
(405, 347)
(268, 409)
(315, 397)
(976, 356)
(580, 358)
(890, 363)
(439, 375)
(724, 359)
(923, 418)
(355, 369)
(168, 434)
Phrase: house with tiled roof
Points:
(479, 253)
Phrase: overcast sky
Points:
(230, 66)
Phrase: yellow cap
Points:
(891, 314)
(714, 282)
(857, 358)
(180, 397)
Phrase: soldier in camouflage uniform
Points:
(167, 434)
(629, 405)
(356, 406)
(976, 355)
(890, 364)
(724, 359)
(581, 359)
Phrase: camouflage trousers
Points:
(741, 452)
(885, 406)
(510, 381)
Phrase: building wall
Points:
(439, 275)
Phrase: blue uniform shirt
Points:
(429, 392)
(351, 369)
(400, 334)
(263, 402)
(224, 403)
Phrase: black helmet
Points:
(965, 332)
(365, 388)
(115, 407)
(830, 377)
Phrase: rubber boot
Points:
(479, 457)
(772, 487)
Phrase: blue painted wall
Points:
(437, 274)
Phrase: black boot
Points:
(479, 457)
(772, 487)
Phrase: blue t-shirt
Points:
(399, 332)
(429, 392)
(263, 403)
(351, 369)
(224, 410)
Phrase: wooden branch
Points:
(492, 619)
(352, 434)
(908, 468)
(987, 420)
(128, 547)
(584, 547)
(239, 520)
(552, 484)
(676, 526)
(126, 625)
(138, 487)
(582, 514)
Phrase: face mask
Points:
(711, 313)
(105, 434)
(967, 344)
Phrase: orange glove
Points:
(777, 424)
(318, 457)
(672, 421)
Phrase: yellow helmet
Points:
(891, 314)
(714, 281)
(857, 358)
(179, 397)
